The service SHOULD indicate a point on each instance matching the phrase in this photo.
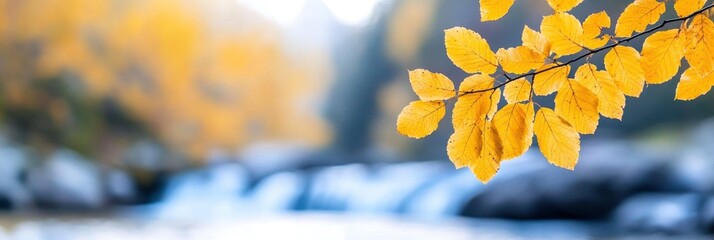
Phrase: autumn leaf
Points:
(623, 64)
(700, 44)
(578, 106)
(514, 124)
(557, 140)
(517, 91)
(687, 7)
(419, 118)
(693, 85)
(563, 5)
(564, 32)
(468, 51)
(592, 28)
(662, 54)
(494, 9)
(535, 41)
(611, 100)
(549, 81)
(519, 60)
(431, 86)
(637, 16)
(489, 161)
(465, 144)
(473, 107)
(478, 147)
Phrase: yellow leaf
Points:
(592, 28)
(494, 9)
(557, 140)
(489, 161)
(687, 7)
(700, 44)
(693, 85)
(535, 41)
(662, 54)
(517, 91)
(563, 5)
(465, 143)
(419, 119)
(495, 99)
(637, 16)
(611, 101)
(564, 32)
(514, 124)
(549, 81)
(578, 105)
(623, 64)
(519, 60)
(468, 51)
(474, 107)
(431, 86)
(478, 147)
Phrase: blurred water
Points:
(300, 226)
(620, 188)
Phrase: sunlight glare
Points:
(353, 13)
(283, 12)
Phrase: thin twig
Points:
(591, 52)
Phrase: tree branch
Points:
(590, 52)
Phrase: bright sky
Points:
(348, 12)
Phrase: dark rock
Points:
(707, 215)
(606, 175)
(67, 181)
(147, 164)
(13, 192)
(660, 213)
(121, 188)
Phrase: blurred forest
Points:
(97, 75)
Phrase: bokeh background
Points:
(275, 119)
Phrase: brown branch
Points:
(590, 52)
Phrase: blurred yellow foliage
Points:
(198, 82)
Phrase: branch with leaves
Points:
(484, 135)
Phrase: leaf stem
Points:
(593, 51)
